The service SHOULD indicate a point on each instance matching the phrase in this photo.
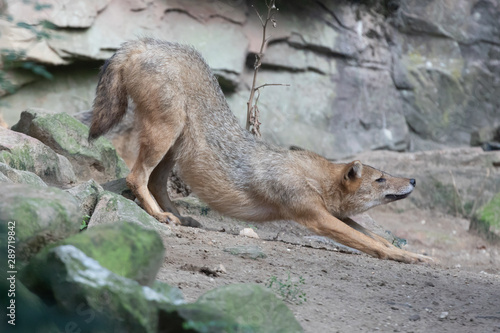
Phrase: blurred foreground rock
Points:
(42, 215)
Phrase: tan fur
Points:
(183, 118)
(2, 122)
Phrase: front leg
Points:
(355, 225)
(323, 223)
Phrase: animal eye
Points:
(380, 180)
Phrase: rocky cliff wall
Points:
(363, 75)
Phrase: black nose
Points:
(413, 182)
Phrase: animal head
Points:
(363, 187)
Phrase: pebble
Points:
(249, 232)
(443, 315)
(221, 269)
(415, 317)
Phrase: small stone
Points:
(443, 315)
(221, 269)
(414, 317)
(249, 232)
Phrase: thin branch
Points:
(272, 84)
(252, 110)
(260, 17)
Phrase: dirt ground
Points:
(349, 292)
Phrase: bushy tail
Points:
(110, 103)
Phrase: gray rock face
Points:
(22, 152)
(398, 75)
(62, 13)
(447, 53)
(453, 181)
(43, 215)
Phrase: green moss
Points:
(19, 158)
(38, 213)
(244, 303)
(126, 249)
(68, 137)
(71, 135)
(489, 214)
(43, 215)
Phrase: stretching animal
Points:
(183, 118)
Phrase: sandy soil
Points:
(348, 292)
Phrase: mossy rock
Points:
(126, 249)
(42, 215)
(22, 152)
(113, 208)
(20, 176)
(74, 282)
(87, 195)
(68, 278)
(68, 137)
(254, 308)
(487, 218)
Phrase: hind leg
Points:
(158, 187)
(156, 139)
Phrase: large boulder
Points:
(74, 282)
(42, 215)
(67, 136)
(67, 277)
(124, 248)
(22, 152)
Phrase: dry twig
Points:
(253, 123)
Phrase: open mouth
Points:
(394, 197)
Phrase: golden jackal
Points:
(183, 118)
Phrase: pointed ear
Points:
(353, 170)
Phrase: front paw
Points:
(167, 218)
(414, 258)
